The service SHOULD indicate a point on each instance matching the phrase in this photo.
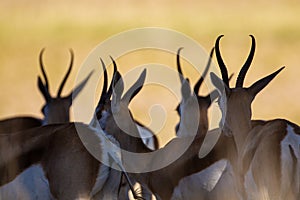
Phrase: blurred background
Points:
(28, 26)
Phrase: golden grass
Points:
(26, 27)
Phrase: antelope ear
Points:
(78, 89)
(255, 88)
(43, 90)
(219, 84)
(186, 89)
(118, 88)
(135, 88)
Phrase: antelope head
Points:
(120, 122)
(235, 103)
(56, 109)
(186, 107)
(104, 100)
(112, 110)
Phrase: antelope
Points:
(73, 173)
(215, 182)
(56, 147)
(268, 152)
(204, 102)
(147, 136)
(161, 182)
(56, 110)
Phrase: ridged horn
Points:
(43, 69)
(179, 65)
(222, 66)
(200, 81)
(67, 74)
(246, 66)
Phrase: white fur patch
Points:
(206, 179)
(31, 184)
(293, 140)
(108, 144)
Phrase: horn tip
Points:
(72, 54)
(218, 40)
(253, 38)
(102, 62)
(42, 51)
(179, 50)
(281, 68)
(91, 72)
(144, 72)
(220, 36)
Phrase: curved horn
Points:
(200, 81)
(243, 72)
(222, 66)
(109, 92)
(104, 88)
(67, 74)
(178, 65)
(42, 68)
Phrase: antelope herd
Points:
(250, 159)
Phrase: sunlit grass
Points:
(26, 27)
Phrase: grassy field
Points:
(28, 26)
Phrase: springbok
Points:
(119, 122)
(56, 110)
(146, 135)
(73, 172)
(204, 102)
(215, 182)
(268, 153)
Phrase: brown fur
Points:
(258, 147)
(69, 167)
(161, 182)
